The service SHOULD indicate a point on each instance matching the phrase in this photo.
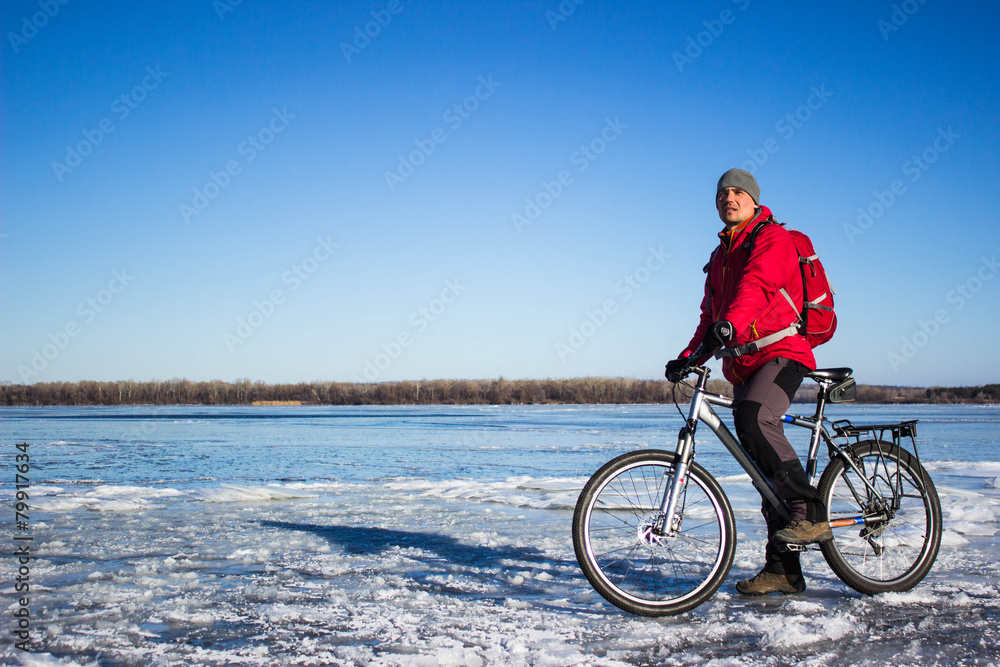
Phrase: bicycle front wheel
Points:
(621, 545)
(897, 542)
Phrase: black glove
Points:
(718, 334)
(674, 367)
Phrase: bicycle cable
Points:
(673, 395)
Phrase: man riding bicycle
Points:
(752, 287)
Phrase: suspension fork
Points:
(682, 461)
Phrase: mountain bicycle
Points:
(655, 534)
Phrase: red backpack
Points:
(817, 320)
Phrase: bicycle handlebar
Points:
(702, 353)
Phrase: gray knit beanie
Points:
(742, 179)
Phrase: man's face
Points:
(735, 206)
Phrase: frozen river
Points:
(434, 535)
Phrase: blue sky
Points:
(398, 190)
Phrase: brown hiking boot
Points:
(769, 582)
(801, 531)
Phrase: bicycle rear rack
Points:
(896, 432)
(907, 429)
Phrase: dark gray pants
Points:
(760, 403)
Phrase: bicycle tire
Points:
(629, 565)
(894, 555)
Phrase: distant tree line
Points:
(245, 392)
(589, 390)
(989, 393)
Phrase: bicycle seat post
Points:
(821, 399)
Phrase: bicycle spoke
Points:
(898, 542)
(635, 555)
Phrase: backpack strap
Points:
(752, 238)
(756, 345)
(708, 267)
(817, 305)
(790, 330)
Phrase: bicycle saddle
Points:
(834, 374)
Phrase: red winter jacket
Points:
(743, 288)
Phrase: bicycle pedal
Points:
(791, 547)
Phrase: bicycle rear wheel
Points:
(892, 553)
(622, 550)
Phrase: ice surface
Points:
(437, 573)
(231, 493)
(463, 560)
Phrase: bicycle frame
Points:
(655, 533)
(700, 409)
